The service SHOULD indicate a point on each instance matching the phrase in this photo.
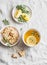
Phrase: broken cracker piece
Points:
(14, 56)
(21, 53)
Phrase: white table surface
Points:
(36, 55)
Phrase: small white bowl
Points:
(24, 40)
(6, 44)
(16, 20)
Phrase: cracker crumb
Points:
(14, 56)
(21, 53)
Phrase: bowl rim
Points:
(27, 31)
(13, 9)
(10, 44)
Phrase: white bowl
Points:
(6, 44)
(16, 20)
(24, 40)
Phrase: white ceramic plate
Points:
(6, 44)
(14, 9)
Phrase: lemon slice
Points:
(31, 40)
(17, 13)
(25, 17)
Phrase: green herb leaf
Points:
(20, 28)
(20, 19)
(4, 40)
(5, 21)
(23, 8)
(8, 45)
(33, 33)
(0, 11)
